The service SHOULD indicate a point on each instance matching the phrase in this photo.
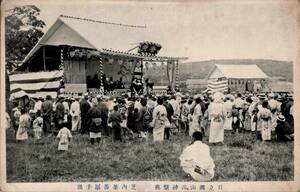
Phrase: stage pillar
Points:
(100, 73)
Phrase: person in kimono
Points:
(115, 120)
(252, 111)
(273, 106)
(284, 131)
(24, 125)
(64, 135)
(75, 115)
(160, 121)
(228, 111)
(123, 111)
(240, 104)
(184, 112)
(84, 108)
(104, 115)
(7, 121)
(217, 116)
(170, 113)
(16, 118)
(196, 161)
(264, 117)
(67, 109)
(94, 122)
(140, 121)
(196, 116)
(47, 113)
(59, 112)
(38, 104)
(38, 126)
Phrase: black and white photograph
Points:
(149, 95)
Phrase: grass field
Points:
(241, 158)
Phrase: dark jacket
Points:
(94, 113)
(60, 111)
(84, 108)
(140, 119)
(47, 108)
(115, 119)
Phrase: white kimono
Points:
(23, 127)
(159, 122)
(228, 119)
(64, 134)
(75, 113)
(264, 118)
(197, 154)
(217, 115)
(196, 122)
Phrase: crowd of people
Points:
(268, 116)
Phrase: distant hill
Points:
(200, 69)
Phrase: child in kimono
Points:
(64, 135)
(38, 126)
(24, 124)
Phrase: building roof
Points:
(196, 81)
(281, 86)
(92, 34)
(237, 72)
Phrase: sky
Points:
(198, 30)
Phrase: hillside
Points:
(200, 69)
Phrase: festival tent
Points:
(36, 84)
(239, 78)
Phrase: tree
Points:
(22, 31)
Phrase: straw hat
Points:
(271, 95)
(281, 118)
(218, 97)
(94, 101)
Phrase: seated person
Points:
(196, 161)
(283, 129)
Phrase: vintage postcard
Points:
(164, 96)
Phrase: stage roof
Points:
(93, 34)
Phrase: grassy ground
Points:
(239, 159)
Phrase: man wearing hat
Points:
(284, 131)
